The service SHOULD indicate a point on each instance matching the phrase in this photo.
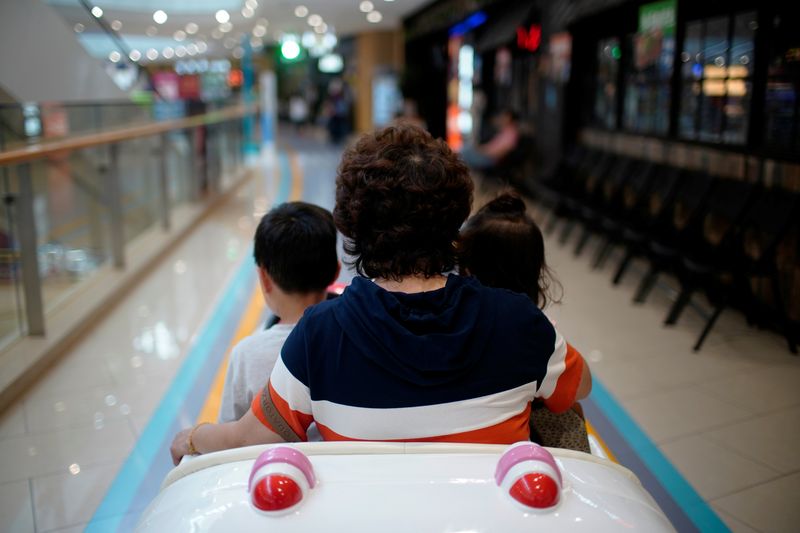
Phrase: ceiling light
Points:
(180, 51)
(217, 33)
(202, 47)
(135, 55)
(222, 16)
(179, 35)
(152, 54)
(192, 28)
(97, 12)
(366, 6)
(301, 11)
(79, 28)
(151, 31)
(238, 52)
(247, 12)
(290, 49)
(225, 27)
(168, 52)
(255, 42)
(259, 31)
(314, 20)
(322, 28)
(252, 4)
(116, 25)
(114, 56)
(160, 17)
(192, 49)
(229, 43)
(374, 16)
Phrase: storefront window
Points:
(605, 102)
(782, 109)
(717, 67)
(647, 87)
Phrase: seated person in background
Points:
(295, 253)
(506, 138)
(503, 247)
(408, 352)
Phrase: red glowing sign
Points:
(529, 39)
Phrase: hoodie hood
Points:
(427, 338)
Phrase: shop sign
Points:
(529, 39)
(654, 42)
(658, 16)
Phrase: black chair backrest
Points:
(767, 221)
(617, 177)
(656, 204)
(727, 203)
(636, 185)
(690, 197)
(598, 173)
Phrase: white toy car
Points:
(401, 487)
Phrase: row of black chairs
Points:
(715, 235)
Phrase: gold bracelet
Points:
(192, 449)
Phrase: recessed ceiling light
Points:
(135, 55)
(248, 12)
(179, 35)
(217, 33)
(225, 27)
(180, 51)
(97, 12)
(79, 28)
(238, 53)
(192, 28)
(202, 47)
(114, 56)
(152, 54)
(366, 6)
(301, 11)
(259, 31)
(374, 16)
(151, 31)
(222, 16)
(314, 20)
(168, 52)
(160, 17)
(116, 25)
(252, 4)
(322, 28)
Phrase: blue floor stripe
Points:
(145, 467)
(171, 414)
(651, 463)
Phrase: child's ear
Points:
(265, 280)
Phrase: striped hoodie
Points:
(458, 364)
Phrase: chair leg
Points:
(679, 305)
(623, 265)
(585, 234)
(646, 285)
(784, 315)
(565, 232)
(710, 324)
(602, 254)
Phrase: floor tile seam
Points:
(770, 411)
(757, 460)
(707, 429)
(751, 486)
(739, 453)
(39, 433)
(92, 465)
(33, 504)
(719, 509)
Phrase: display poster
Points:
(560, 57)
(655, 38)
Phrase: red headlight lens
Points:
(276, 492)
(536, 490)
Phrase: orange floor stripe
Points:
(247, 325)
(593, 432)
(297, 176)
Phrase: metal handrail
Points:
(39, 150)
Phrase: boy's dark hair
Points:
(503, 247)
(401, 197)
(296, 244)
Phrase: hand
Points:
(180, 445)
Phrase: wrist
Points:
(191, 442)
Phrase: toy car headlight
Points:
(280, 479)
(529, 474)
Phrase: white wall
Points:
(41, 60)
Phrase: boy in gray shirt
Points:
(295, 253)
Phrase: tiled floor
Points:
(727, 417)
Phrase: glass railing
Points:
(72, 205)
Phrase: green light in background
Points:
(616, 53)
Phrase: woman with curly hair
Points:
(410, 351)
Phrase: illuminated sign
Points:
(529, 39)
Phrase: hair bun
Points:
(509, 203)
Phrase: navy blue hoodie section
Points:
(380, 349)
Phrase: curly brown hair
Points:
(401, 197)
